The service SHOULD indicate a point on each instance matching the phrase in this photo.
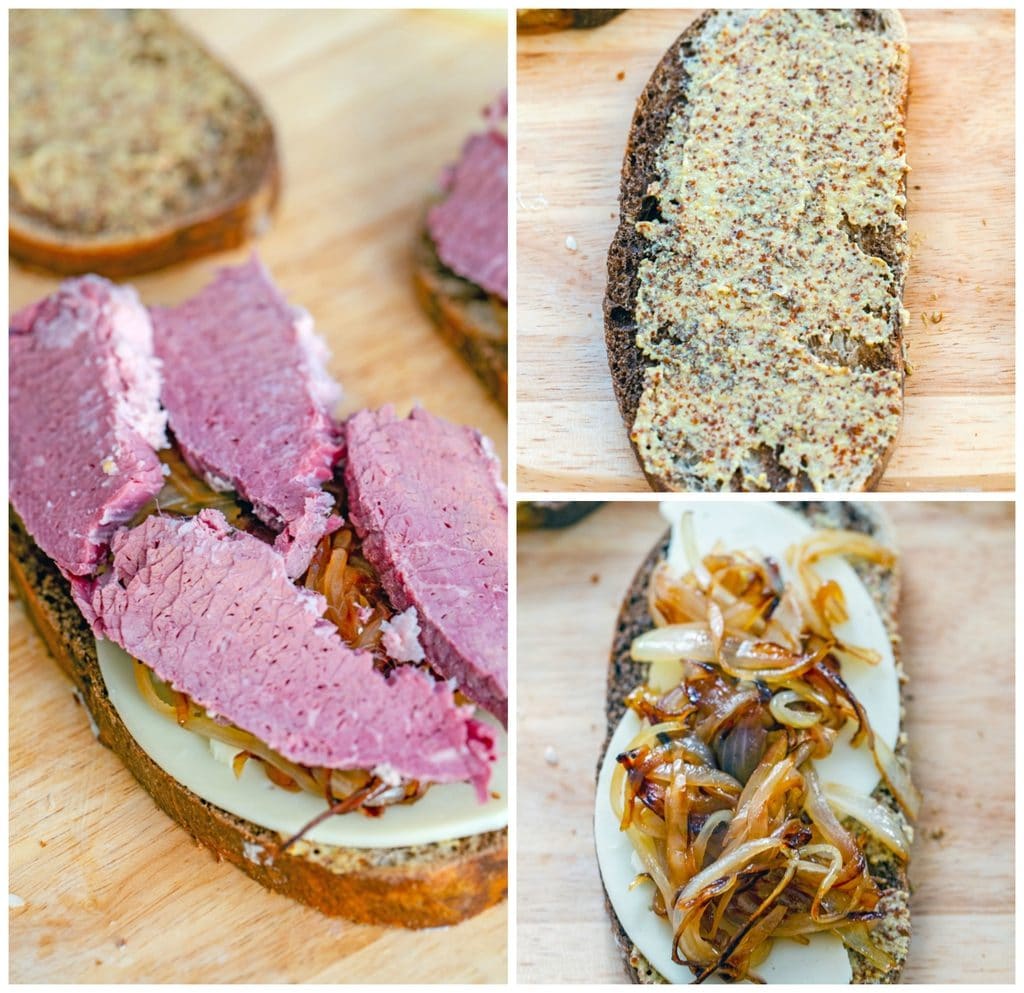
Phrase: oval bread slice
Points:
(753, 316)
(149, 152)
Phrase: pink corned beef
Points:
(84, 418)
(250, 400)
(469, 227)
(211, 610)
(427, 499)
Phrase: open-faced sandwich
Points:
(292, 629)
(461, 259)
(753, 801)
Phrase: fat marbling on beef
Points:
(213, 613)
(427, 499)
(250, 401)
(85, 419)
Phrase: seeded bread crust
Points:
(893, 933)
(664, 96)
(537, 21)
(413, 887)
(473, 322)
(220, 215)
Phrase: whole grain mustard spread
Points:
(129, 125)
(755, 297)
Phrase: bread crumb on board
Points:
(571, 243)
(550, 755)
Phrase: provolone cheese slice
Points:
(445, 812)
(760, 530)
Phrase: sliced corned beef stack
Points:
(212, 610)
(213, 613)
(426, 498)
(85, 418)
(250, 402)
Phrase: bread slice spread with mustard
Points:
(753, 315)
(132, 147)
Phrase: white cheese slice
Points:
(761, 530)
(448, 811)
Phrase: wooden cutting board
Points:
(369, 108)
(576, 94)
(956, 619)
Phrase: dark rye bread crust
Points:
(893, 934)
(473, 322)
(219, 225)
(536, 21)
(665, 95)
(413, 887)
(552, 513)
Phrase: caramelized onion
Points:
(718, 793)
(740, 750)
(855, 936)
(689, 539)
(896, 778)
(742, 659)
(781, 710)
(875, 816)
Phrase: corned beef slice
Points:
(212, 612)
(427, 499)
(85, 418)
(250, 401)
(469, 227)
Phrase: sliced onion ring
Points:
(896, 778)
(875, 816)
(782, 712)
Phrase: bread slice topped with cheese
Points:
(131, 146)
(292, 629)
(753, 315)
(753, 800)
(461, 256)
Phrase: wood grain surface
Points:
(956, 620)
(576, 94)
(369, 108)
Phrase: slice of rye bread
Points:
(422, 886)
(665, 96)
(148, 152)
(472, 321)
(535, 20)
(532, 514)
(893, 933)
